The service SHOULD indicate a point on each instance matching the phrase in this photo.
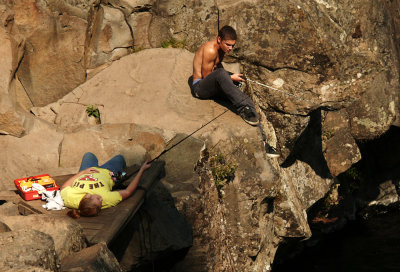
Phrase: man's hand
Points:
(146, 165)
(133, 185)
(237, 77)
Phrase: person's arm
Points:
(71, 179)
(126, 193)
(208, 62)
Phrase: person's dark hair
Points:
(227, 33)
(86, 208)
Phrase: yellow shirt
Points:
(94, 183)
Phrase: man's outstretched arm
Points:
(133, 185)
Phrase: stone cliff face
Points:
(334, 71)
(331, 55)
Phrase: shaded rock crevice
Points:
(308, 147)
(361, 195)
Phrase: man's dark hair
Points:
(227, 33)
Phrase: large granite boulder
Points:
(8, 208)
(33, 154)
(92, 259)
(52, 63)
(339, 147)
(66, 234)
(28, 248)
(11, 121)
(125, 93)
(82, 36)
(135, 143)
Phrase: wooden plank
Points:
(120, 214)
(36, 205)
(90, 234)
(26, 209)
(110, 222)
(93, 225)
(125, 211)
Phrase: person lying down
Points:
(90, 190)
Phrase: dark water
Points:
(364, 245)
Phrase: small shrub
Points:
(223, 171)
(93, 111)
(135, 49)
(353, 173)
(327, 134)
(351, 180)
(174, 43)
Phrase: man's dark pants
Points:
(219, 82)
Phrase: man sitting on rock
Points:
(210, 79)
(91, 189)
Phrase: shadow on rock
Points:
(308, 147)
(158, 236)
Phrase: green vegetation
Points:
(328, 202)
(174, 43)
(135, 50)
(328, 134)
(350, 180)
(222, 170)
(93, 111)
(353, 173)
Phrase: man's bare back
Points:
(206, 59)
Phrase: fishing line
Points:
(275, 89)
(226, 110)
(290, 94)
(264, 138)
(202, 126)
(128, 175)
(322, 106)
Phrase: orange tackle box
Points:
(24, 186)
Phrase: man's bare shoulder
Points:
(207, 47)
(210, 47)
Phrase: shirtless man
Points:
(211, 80)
